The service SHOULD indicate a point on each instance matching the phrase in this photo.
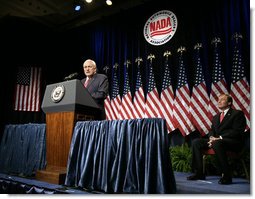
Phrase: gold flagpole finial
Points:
(237, 36)
(138, 60)
(116, 65)
(127, 63)
(167, 53)
(198, 46)
(215, 41)
(106, 68)
(181, 49)
(150, 57)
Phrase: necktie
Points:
(86, 82)
(221, 116)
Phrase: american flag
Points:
(219, 85)
(108, 108)
(240, 89)
(28, 89)
(126, 107)
(152, 100)
(107, 102)
(181, 113)
(199, 98)
(167, 95)
(115, 100)
(139, 99)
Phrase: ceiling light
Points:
(77, 5)
(108, 2)
(88, 1)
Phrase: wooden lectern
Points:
(64, 103)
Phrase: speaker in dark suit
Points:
(96, 84)
(226, 134)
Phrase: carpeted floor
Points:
(208, 186)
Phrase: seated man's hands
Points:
(211, 140)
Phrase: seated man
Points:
(225, 134)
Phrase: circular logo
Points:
(160, 27)
(57, 93)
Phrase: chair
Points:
(230, 154)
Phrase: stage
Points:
(134, 163)
(23, 185)
(210, 185)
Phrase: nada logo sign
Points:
(160, 27)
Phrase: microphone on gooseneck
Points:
(71, 76)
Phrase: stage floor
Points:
(208, 186)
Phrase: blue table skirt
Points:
(23, 149)
(121, 156)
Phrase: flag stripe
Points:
(139, 103)
(240, 89)
(28, 96)
(108, 109)
(126, 106)
(219, 84)
(166, 110)
(115, 104)
(199, 98)
(139, 97)
(181, 111)
(199, 110)
(152, 104)
(167, 96)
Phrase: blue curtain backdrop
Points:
(120, 37)
(114, 39)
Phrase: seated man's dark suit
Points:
(231, 130)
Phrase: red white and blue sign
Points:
(160, 27)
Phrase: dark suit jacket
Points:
(98, 88)
(232, 126)
(231, 129)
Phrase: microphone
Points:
(71, 76)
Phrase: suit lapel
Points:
(217, 120)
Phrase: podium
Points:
(64, 103)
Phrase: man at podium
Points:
(96, 84)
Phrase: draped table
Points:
(121, 156)
(22, 149)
